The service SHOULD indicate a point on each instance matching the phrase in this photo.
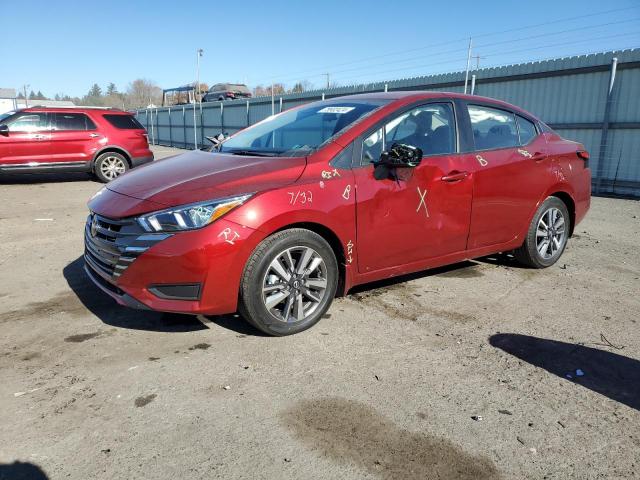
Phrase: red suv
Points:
(105, 142)
(310, 202)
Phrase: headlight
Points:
(189, 217)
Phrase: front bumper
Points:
(131, 265)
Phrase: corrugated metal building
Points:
(572, 95)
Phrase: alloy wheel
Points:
(551, 233)
(295, 284)
(112, 167)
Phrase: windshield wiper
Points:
(254, 153)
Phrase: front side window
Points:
(493, 128)
(299, 132)
(526, 130)
(28, 122)
(73, 121)
(429, 127)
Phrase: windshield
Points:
(298, 132)
(5, 115)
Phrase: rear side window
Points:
(124, 122)
(493, 128)
(526, 130)
(72, 121)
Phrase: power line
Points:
(498, 53)
(565, 19)
(447, 52)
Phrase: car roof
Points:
(417, 95)
(37, 108)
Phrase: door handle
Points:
(538, 157)
(455, 176)
(94, 135)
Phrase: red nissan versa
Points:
(105, 142)
(308, 203)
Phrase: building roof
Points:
(7, 93)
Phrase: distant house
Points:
(7, 100)
(45, 103)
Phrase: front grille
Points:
(110, 246)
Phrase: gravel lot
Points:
(455, 373)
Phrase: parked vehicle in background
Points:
(332, 194)
(105, 142)
(226, 91)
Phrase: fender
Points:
(117, 148)
(558, 187)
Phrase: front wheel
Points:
(289, 282)
(547, 235)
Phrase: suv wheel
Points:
(110, 165)
(547, 236)
(289, 282)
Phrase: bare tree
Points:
(142, 93)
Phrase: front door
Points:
(27, 142)
(424, 212)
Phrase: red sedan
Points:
(309, 203)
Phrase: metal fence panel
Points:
(569, 93)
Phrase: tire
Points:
(109, 166)
(545, 244)
(268, 298)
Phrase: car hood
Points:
(198, 176)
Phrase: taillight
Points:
(583, 154)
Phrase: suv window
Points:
(429, 127)
(526, 130)
(493, 128)
(72, 121)
(28, 122)
(124, 122)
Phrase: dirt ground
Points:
(461, 372)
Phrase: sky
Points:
(67, 45)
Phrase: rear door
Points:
(28, 141)
(511, 174)
(424, 213)
(74, 138)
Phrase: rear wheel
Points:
(289, 282)
(109, 166)
(547, 236)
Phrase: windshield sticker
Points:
(336, 109)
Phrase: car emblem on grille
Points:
(94, 226)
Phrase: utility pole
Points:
(466, 76)
(477, 57)
(328, 75)
(26, 99)
(199, 54)
(273, 103)
(195, 97)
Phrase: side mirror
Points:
(398, 156)
(4, 129)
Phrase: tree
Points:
(40, 96)
(301, 86)
(95, 91)
(32, 95)
(20, 95)
(142, 93)
(112, 89)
